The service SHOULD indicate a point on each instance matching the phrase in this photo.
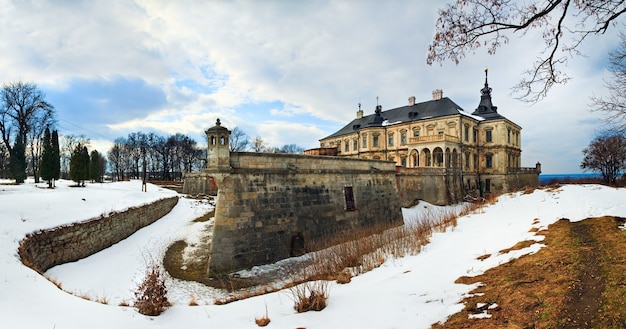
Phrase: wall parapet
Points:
(44, 249)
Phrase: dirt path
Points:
(584, 300)
(576, 281)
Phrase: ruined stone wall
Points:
(273, 206)
(44, 249)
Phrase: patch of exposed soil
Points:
(573, 282)
(585, 296)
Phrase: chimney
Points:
(359, 113)
(411, 100)
(437, 94)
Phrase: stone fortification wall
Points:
(45, 249)
(273, 206)
(435, 185)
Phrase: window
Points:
(466, 133)
(355, 144)
(488, 136)
(467, 160)
(416, 133)
(487, 185)
(475, 161)
(508, 136)
(403, 138)
(474, 134)
(390, 139)
(375, 141)
(349, 195)
(347, 146)
(489, 161)
(403, 161)
(364, 145)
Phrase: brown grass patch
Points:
(263, 320)
(483, 257)
(550, 289)
(518, 246)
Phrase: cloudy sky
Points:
(288, 71)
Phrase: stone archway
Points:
(438, 157)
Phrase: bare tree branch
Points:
(467, 25)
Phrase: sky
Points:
(416, 290)
(291, 72)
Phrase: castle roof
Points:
(419, 111)
(436, 108)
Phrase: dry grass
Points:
(193, 301)
(263, 320)
(547, 289)
(310, 296)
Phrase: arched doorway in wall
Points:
(438, 157)
(426, 158)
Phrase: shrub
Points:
(264, 320)
(151, 294)
(310, 296)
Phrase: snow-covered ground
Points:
(410, 292)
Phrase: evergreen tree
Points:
(47, 159)
(18, 161)
(95, 167)
(79, 165)
(56, 154)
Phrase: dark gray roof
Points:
(420, 111)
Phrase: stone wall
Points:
(273, 206)
(47, 248)
(435, 185)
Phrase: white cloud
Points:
(316, 58)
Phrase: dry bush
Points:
(123, 303)
(151, 294)
(310, 296)
(193, 301)
(264, 320)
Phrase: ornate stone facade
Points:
(482, 148)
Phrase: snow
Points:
(409, 292)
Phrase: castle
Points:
(274, 206)
(483, 148)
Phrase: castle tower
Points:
(218, 150)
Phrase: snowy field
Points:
(410, 292)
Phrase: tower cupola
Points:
(218, 149)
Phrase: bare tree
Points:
(258, 144)
(614, 105)
(466, 25)
(291, 148)
(24, 115)
(238, 140)
(606, 154)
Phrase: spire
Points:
(485, 105)
(486, 90)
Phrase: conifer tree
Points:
(56, 155)
(79, 165)
(47, 159)
(95, 167)
(18, 161)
